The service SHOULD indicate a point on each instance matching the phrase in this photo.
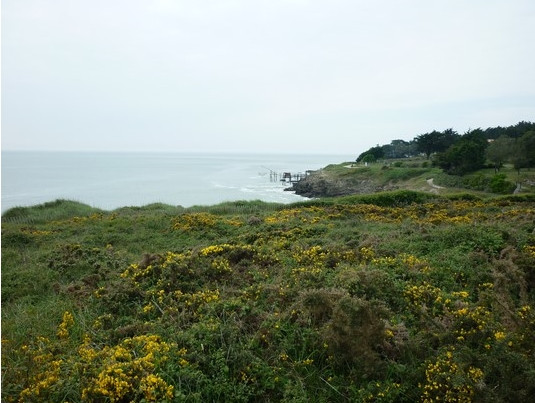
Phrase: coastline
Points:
(114, 180)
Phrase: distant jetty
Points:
(287, 177)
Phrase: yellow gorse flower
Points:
(66, 323)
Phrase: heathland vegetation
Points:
(398, 296)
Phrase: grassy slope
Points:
(412, 174)
(391, 297)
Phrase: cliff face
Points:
(322, 184)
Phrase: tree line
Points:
(461, 154)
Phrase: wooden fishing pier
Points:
(287, 177)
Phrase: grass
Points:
(397, 296)
(50, 211)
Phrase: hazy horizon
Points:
(311, 77)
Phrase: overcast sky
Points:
(328, 77)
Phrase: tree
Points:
(448, 138)
(523, 151)
(515, 131)
(435, 141)
(499, 151)
(520, 129)
(399, 149)
(368, 158)
(528, 145)
(466, 155)
(426, 143)
(377, 152)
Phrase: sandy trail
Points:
(430, 183)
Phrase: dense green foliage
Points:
(372, 155)
(459, 155)
(402, 296)
(523, 151)
(514, 131)
(465, 155)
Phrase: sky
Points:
(292, 76)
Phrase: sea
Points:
(109, 180)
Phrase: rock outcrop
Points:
(321, 184)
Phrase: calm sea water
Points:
(112, 180)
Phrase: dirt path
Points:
(430, 183)
(434, 188)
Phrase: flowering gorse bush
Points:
(201, 221)
(448, 381)
(127, 370)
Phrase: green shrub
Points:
(394, 199)
(499, 184)
(355, 333)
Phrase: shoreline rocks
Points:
(319, 184)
